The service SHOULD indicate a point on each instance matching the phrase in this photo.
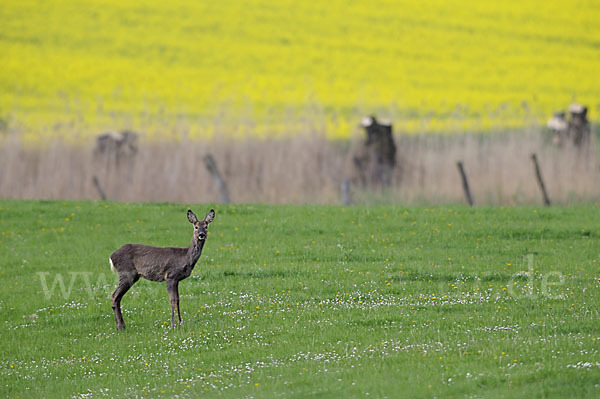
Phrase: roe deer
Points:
(158, 264)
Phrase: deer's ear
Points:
(210, 216)
(192, 217)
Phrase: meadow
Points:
(298, 301)
(201, 69)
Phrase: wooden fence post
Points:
(465, 183)
(211, 166)
(538, 175)
(345, 191)
(99, 187)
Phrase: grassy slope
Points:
(296, 301)
(206, 66)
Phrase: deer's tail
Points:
(112, 266)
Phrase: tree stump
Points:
(579, 126)
(575, 130)
(375, 160)
(559, 126)
(114, 159)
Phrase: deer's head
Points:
(201, 226)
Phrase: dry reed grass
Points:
(305, 169)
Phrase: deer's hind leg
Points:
(127, 278)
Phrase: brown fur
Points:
(169, 264)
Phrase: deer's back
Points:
(152, 263)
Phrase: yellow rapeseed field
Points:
(270, 67)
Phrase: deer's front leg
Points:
(178, 312)
(172, 288)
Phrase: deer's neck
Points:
(195, 250)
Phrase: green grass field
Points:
(305, 301)
(276, 67)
